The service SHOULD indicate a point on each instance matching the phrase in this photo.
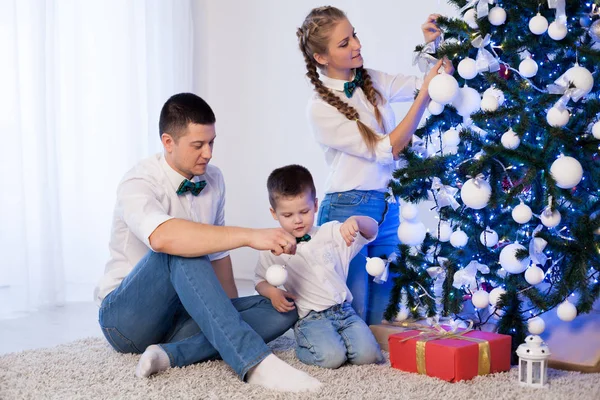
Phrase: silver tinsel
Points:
(595, 31)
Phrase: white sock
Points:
(274, 373)
(153, 360)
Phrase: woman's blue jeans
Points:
(179, 304)
(370, 298)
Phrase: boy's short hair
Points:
(182, 109)
(289, 181)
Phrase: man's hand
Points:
(279, 299)
(349, 230)
(277, 240)
(430, 29)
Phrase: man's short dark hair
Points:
(289, 181)
(182, 109)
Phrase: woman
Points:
(351, 117)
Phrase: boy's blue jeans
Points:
(370, 298)
(179, 303)
(330, 338)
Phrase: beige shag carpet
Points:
(90, 369)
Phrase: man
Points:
(168, 289)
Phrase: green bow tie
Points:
(193, 187)
(304, 238)
(349, 87)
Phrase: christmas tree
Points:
(510, 158)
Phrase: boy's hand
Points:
(279, 299)
(349, 230)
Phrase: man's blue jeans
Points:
(179, 304)
(331, 337)
(370, 298)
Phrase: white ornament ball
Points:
(451, 137)
(557, 30)
(467, 101)
(412, 233)
(497, 93)
(596, 130)
(489, 103)
(534, 275)
(276, 275)
(528, 67)
(443, 88)
(480, 299)
(467, 68)
(402, 314)
(566, 311)
(522, 213)
(488, 237)
(375, 266)
(536, 326)
(495, 295)
(459, 239)
(453, 150)
(475, 193)
(509, 260)
(497, 16)
(510, 140)
(594, 31)
(557, 118)
(435, 108)
(550, 218)
(470, 18)
(567, 172)
(581, 78)
(409, 211)
(445, 231)
(538, 24)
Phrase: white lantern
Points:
(435, 108)
(510, 139)
(557, 30)
(470, 18)
(443, 88)
(538, 24)
(522, 213)
(475, 193)
(596, 130)
(528, 68)
(533, 362)
(467, 68)
(497, 16)
(375, 266)
(276, 275)
(557, 118)
(489, 237)
(567, 172)
(509, 261)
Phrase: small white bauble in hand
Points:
(488, 237)
(402, 314)
(445, 231)
(528, 68)
(581, 78)
(566, 311)
(497, 16)
(412, 233)
(509, 260)
(538, 24)
(596, 130)
(467, 68)
(489, 103)
(475, 193)
(435, 108)
(567, 172)
(443, 88)
(536, 326)
(459, 238)
(480, 299)
(467, 101)
(451, 137)
(522, 213)
(409, 211)
(510, 140)
(557, 118)
(495, 295)
(470, 18)
(550, 218)
(276, 275)
(497, 93)
(375, 266)
(557, 30)
(534, 275)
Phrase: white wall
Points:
(249, 69)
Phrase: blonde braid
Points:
(372, 95)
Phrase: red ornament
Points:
(504, 72)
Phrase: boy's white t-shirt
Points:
(317, 272)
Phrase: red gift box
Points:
(451, 359)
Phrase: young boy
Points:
(329, 332)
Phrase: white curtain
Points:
(81, 86)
